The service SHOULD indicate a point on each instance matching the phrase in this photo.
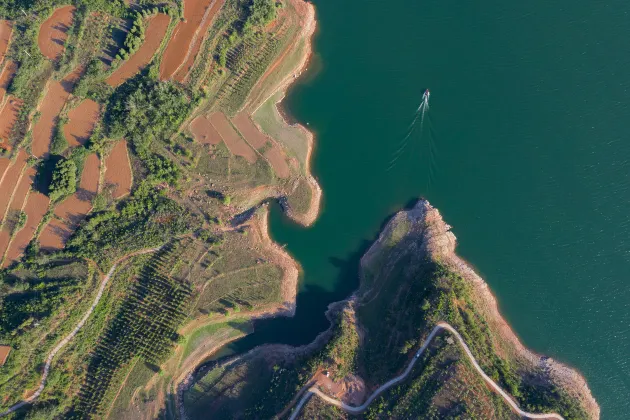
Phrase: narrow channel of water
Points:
(524, 150)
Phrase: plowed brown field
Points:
(231, 138)
(55, 235)
(73, 209)
(8, 117)
(5, 37)
(10, 181)
(36, 207)
(81, 122)
(204, 132)
(153, 38)
(50, 107)
(6, 76)
(118, 170)
(4, 165)
(276, 158)
(19, 197)
(197, 40)
(248, 129)
(5, 236)
(54, 31)
(188, 36)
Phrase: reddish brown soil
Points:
(5, 37)
(75, 207)
(10, 181)
(5, 237)
(231, 138)
(81, 122)
(22, 189)
(153, 38)
(36, 207)
(54, 31)
(4, 353)
(6, 76)
(248, 129)
(181, 43)
(55, 235)
(4, 165)
(278, 161)
(197, 40)
(50, 107)
(8, 117)
(204, 132)
(118, 171)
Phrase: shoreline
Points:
(439, 243)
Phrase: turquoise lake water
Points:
(525, 150)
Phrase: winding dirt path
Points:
(74, 332)
(439, 327)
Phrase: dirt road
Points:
(439, 327)
(74, 332)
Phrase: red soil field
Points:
(75, 207)
(4, 353)
(6, 76)
(81, 122)
(50, 107)
(36, 207)
(10, 181)
(248, 129)
(153, 38)
(204, 132)
(278, 162)
(5, 237)
(53, 32)
(118, 170)
(19, 197)
(55, 235)
(231, 138)
(8, 116)
(184, 41)
(197, 40)
(4, 165)
(5, 37)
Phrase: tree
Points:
(64, 180)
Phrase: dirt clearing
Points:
(154, 34)
(4, 165)
(81, 122)
(36, 207)
(248, 129)
(231, 138)
(10, 181)
(118, 170)
(5, 38)
(276, 158)
(49, 108)
(22, 189)
(75, 207)
(187, 34)
(8, 117)
(6, 76)
(204, 132)
(4, 353)
(197, 40)
(55, 235)
(54, 31)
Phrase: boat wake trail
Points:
(419, 115)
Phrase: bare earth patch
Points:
(153, 38)
(36, 207)
(118, 170)
(249, 130)
(231, 138)
(184, 41)
(81, 122)
(50, 107)
(5, 37)
(204, 132)
(10, 182)
(278, 161)
(54, 32)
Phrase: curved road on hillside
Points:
(440, 326)
(74, 332)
